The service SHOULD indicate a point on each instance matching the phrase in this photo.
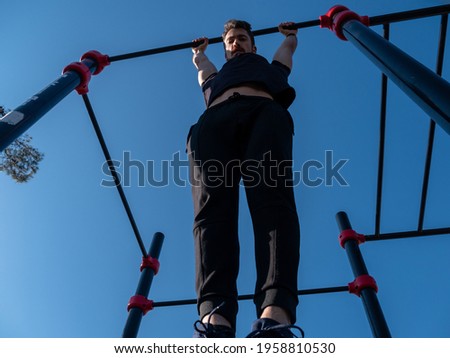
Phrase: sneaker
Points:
(208, 330)
(269, 328)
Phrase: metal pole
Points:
(213, 40)
(136, 313)
(368, 295)
(75, 76)
(421, 84)
(310, 291)
(375, 20)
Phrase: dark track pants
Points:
(248, 138)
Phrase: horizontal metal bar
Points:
(374, 20)
(409, 15)
(408, 234)
(311, 291)
(213, 40)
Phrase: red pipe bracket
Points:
(150, 262)
(327, 19)
(362, 282)
(337, 16)
(84, 73)
(141, 302)
(350, 234)
(101, 60)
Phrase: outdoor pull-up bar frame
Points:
(77, 75)
(428, 90)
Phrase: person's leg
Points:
(215, 193)
(277, 313)
(272, 206)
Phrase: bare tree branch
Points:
(20, 160)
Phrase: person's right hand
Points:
(199, 45)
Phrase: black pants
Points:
(248, 138)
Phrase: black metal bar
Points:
(354, 254)
(408, 234)
(422, 85)
(426, 175)
(135, 314)
(18, 121)
(156, 51)
(409, 15)
(432, 128)
(369, 298)
(112, 169)
(375, 20)
(382, 139)
(310, 291)
(213, 40)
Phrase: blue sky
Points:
(69, 261)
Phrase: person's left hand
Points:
(286, 31)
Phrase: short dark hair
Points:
(238, 24)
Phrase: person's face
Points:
(237, 41)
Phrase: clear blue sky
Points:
(69, 261)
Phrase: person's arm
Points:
(204, 66)
(288, 46)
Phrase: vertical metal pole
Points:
(432, 127)
(369, 298)
(421, 84)
(135, 314)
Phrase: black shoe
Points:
(269, 328)
(208, 330)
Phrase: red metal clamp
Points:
(335, 18)
(362, 282)
(150, 262)
(84, 73)
(83, 70)
(101, 60)
(141, 302)
(350, 234)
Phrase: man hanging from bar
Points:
(245, 134)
